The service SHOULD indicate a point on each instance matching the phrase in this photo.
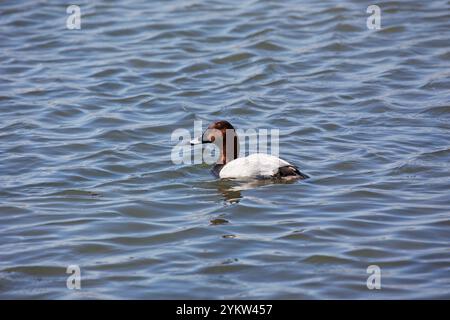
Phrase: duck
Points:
(258, 165)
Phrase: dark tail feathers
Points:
(290, 171)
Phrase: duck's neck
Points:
(229, 151)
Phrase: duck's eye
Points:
(212, 134)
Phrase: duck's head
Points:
(224, 136)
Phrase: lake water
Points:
(86, 176)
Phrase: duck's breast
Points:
(255, 165)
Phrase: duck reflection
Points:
(227, 189)
(231, 189)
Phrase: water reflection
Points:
(228, 189)
(231, 189)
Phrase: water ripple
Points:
(85, 140)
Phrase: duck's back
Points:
(257, 165)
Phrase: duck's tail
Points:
(291, 172)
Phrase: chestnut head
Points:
(224, 136)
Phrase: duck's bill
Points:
(195, 141)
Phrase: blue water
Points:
(86, 176)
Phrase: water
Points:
(85, 142)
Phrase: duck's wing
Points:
(254, 166)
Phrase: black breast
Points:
(216, 169)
